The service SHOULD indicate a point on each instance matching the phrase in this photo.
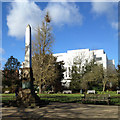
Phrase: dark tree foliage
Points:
(76, 78)
(118, 71)
(12, 64)
(59, 69)
(11, 73)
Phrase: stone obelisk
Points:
(28, 63)
(27, 94)
(27, 67)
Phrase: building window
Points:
(98, 58)
(94, 56)
(69, 72)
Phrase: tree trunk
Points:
(40, 88)
(103, 87)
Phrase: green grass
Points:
(11, 94)
(7, 97)
(115, 98)
(112, 93)
(65, 98)
(69, 95)
(61, 97)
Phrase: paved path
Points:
(62, 110)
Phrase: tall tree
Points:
(11, 72)
(43, 59)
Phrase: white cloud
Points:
(2, 62)
(27, 12)
(101, 7)
(2, 51)
(114, 25)
(108, 9)
(3, 59)
(64, 13)
(21, 14)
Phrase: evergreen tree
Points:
(11, 73)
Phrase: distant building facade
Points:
(83, 55)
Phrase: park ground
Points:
(55, 110)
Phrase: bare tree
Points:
(42, 58)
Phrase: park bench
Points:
(67, 91)
(51, 92)
(6, 92)
(91, 92)
(118, 91)
(96, 98)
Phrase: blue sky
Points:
(76, 25)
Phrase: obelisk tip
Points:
(28, 25)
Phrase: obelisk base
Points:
(26, 99)
(26, 95)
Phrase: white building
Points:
(83, 55)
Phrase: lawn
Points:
(66, 98)
(62, 97)
(6, 97)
